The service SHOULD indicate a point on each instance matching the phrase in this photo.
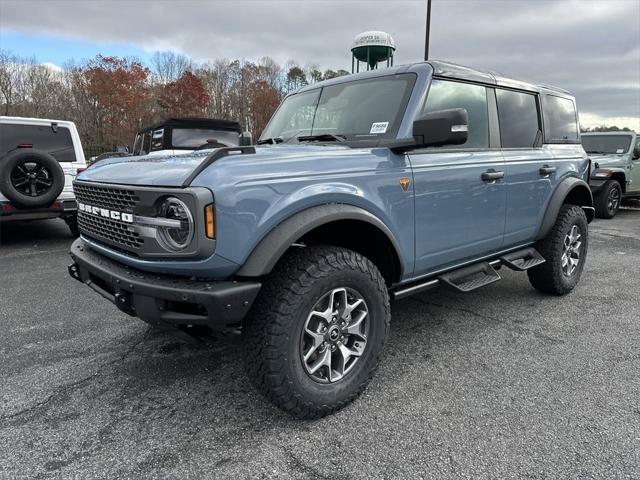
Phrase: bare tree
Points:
(169, 66)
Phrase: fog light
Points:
(177, 234)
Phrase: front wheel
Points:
(315, 336)
(565, 252)
(608, 201)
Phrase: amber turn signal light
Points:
(210, 221)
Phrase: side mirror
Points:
(636, 152)
(443, 127)
(246, 139)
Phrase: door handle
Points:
(491, 175)
(547, 170)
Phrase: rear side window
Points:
(57, 143)
(444, 95)
(157, 139)
(560, 120)
(518, 117)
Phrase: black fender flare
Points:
(615, 173)
(273, 245)
(570, 186)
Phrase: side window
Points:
(146, 143)
(444, 95)
(157, 140)
(560, 120)
(41, 137)
(518, 117)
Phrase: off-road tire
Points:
(274, 327)
(17, 159)
(549, 276)
(602, 200)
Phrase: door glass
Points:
(560, 120)
(518, 116)
(157, 140)
(444, 95)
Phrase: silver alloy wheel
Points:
(334, 335)
(571, 251)
(613, 200)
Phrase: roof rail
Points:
(217, 155)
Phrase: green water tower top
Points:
(371, 48)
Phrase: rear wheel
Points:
(31, 178)
(316, 333)
(608, 201)
(565, 252)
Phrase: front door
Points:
(460, 193)
(459, 215)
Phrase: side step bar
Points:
(474, 276)
(521, 260)
(471, 277)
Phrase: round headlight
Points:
(178, 233)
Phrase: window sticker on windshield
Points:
(620, 150)
(379, 127)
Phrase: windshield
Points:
(606, 143)
(198, 137)
(357, 110)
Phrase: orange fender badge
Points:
(404, 183)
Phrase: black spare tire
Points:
(30, 178)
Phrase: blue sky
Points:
(58, 50)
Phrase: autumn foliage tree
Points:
(183, 97)
(263, 101)
(121, 95)
(110, 98)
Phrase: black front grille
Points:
(119, 199)
(110, 230)
(115, 232)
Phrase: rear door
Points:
(531, 171)
(458, 214)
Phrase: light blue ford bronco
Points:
(362, 189)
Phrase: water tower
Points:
(371, 48)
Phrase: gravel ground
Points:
(500, 383)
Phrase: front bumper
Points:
(163, 299)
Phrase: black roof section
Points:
(196, 122)
(451, 70)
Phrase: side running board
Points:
(521, 260)
(471, 277)
(474, 276)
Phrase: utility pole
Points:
(428, 32)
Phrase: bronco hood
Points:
(174, 170)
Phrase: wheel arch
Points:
(573, 191)
(328, 224)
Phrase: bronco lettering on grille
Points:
(105, 212)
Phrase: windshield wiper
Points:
(271, 141)
(323, 137)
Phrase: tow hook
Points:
(123, 302)
(74, 271)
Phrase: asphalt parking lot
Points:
(500, 383)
